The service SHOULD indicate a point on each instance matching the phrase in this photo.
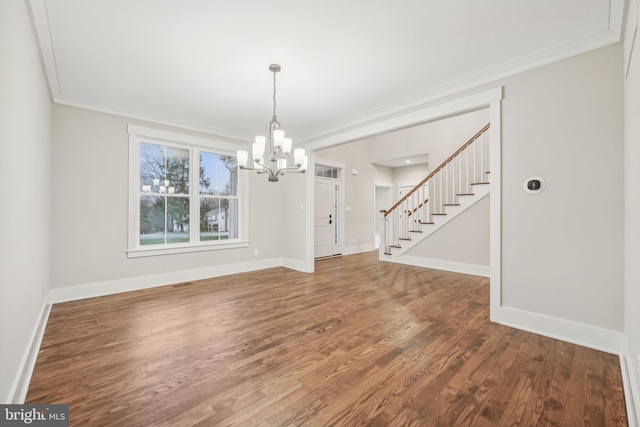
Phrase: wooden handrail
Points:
(417, 207)
(436, 170)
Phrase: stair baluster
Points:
(455, 177)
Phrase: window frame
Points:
(140, 134)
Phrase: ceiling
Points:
(203, 64)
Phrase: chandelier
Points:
(270, 153)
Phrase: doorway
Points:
(328, 216)
(382, 200)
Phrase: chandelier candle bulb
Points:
(305, 163)
(298, 156)
(278, 137)
(242, 158)
(282, 163)
(258, 152)
(286, 146)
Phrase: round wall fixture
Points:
(533, 185)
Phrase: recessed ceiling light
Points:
(408, 161)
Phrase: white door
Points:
(327, 219)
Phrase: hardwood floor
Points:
(360, 342)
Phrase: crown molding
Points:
(610, 35)
(605, 37)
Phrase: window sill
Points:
(145, 252)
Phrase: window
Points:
(327, 172)
(185, 194)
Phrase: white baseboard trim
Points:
(91, 290)
(630, 383)
(438, 264)
(359, 249)
(295, 264)
(589, 336)
(20, 386)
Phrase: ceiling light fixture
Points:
(272, 158)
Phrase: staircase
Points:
(457, 184)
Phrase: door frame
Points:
(342, 209)
(376, 215)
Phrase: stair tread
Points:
(451, 204)
(404, 238)
(395, 246)
(415, 231)
(427, 223)
(480, 183)
(442, 214)
(466, 194)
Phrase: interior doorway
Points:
(382, 200)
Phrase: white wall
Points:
(293, 220)
(632, 216)
(465, 239)
(562, 249)
(409, 175)
(25, 138)
(89, 207)
(439, 138)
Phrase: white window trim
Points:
(139, 134)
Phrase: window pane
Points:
(151, 167)
(152, 222)
(231, 185)
(177, 170)
(177, 219)
(209, 173)
(163, 169)
(209, 219)
(218, 174)
(225, 176)
(164, 220)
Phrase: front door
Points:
(327, 220)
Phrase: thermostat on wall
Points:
(534, 184)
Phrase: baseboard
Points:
(437, 264)
(359, 249)
(589, 336)
(630, 383)
(91, 290)
(20, 386)
(295, 264)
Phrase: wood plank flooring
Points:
(359, 342)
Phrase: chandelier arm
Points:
(290, 169)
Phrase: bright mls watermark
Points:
(34, 415)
